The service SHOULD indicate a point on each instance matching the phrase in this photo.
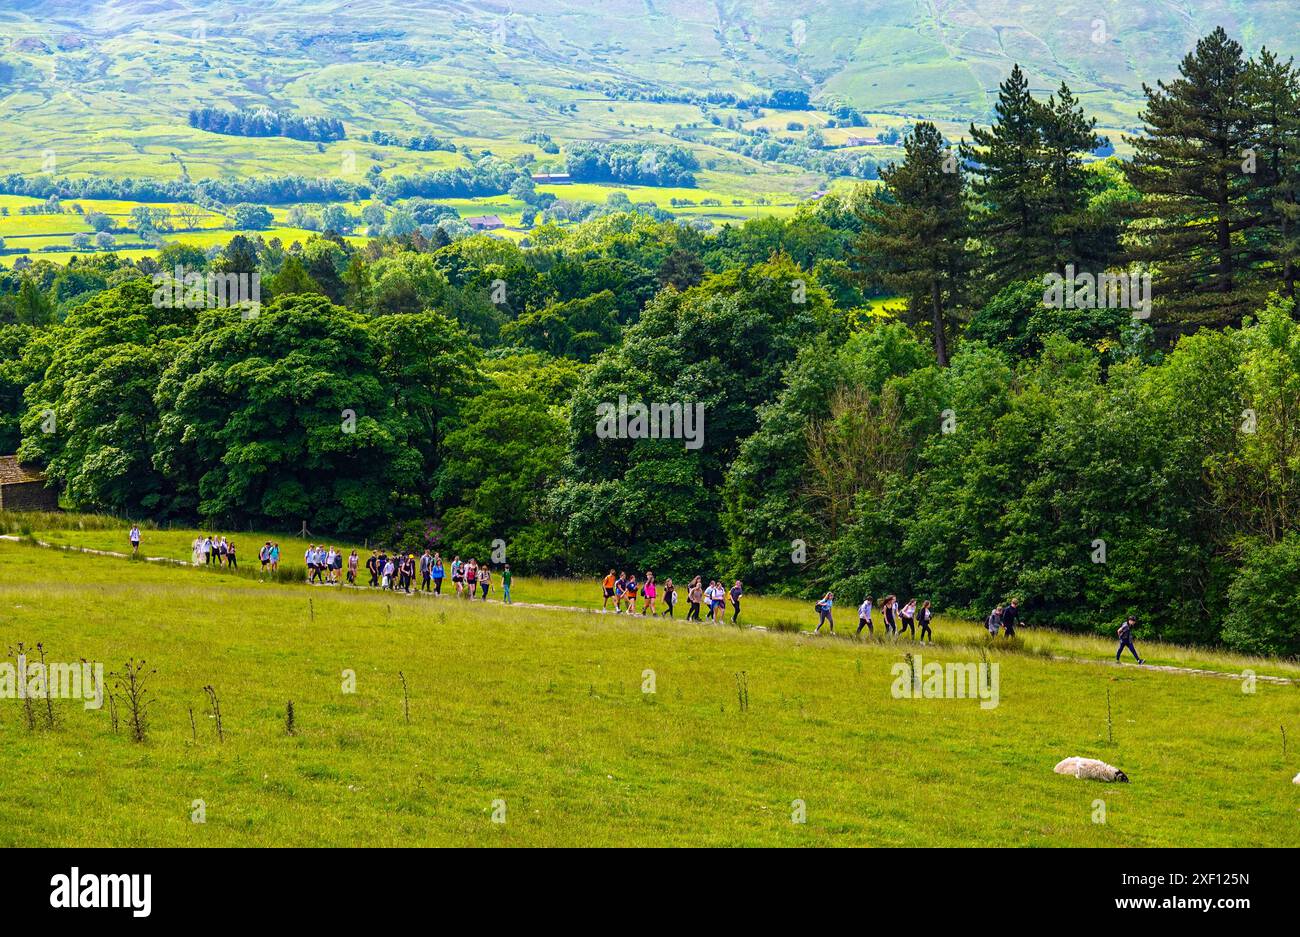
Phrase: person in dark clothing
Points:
(1010, 618)
(1126, 639)
(373, 568)
(924, 616)
(736, 593)
(670, 599)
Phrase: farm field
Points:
(544, 710)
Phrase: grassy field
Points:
(543, 712)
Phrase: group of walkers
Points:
(208, 550)
(398, 574)
(896, 620)
(624, 588)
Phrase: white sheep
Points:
(1296, 779)
(1092, 769)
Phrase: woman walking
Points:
(471, 578)
(694, 594)
(231, 562)
(909, 618)
(926, 614)
(736, 593)
(670, 598)
(824, 613)
(457, 575)
(438, 573)
(890, 614)
(485, 580)
(649, 592)
(353, 561)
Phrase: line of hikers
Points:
(624, 588)
(397, 572)
(896, 620)
(208, 550)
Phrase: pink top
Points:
(649, 592)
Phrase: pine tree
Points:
(1273, 97)
(914, 238)
(1006, 162)
(1192, 168)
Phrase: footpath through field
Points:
(1165, 668)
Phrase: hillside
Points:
(546, 712)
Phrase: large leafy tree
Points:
(282, 419)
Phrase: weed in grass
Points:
(742, 690)
(194, 731)
(131, 689)
(215, 705)
(1110, 722)
(20, 656)
(290, 727)
(49, 691)
(406, 698)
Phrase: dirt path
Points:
(1165, 668)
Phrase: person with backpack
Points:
(670, 598)
(824, 613)
(629, 592)
(864, 618)
(485, 580)
(620, 587)
(890, 614)
(1125, 633)
(694, 595)
(924, 617)
(994, 622)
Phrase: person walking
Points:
(924, 617)
(485, 580)
(206, 549)
(353, 562)
(471, 578)
(1125, 633)
(373, 568)
(651, 591)
(231, 562)
(135, 540)
(670, 598)
(1010, 618)
(275, 556)
(506, 578)
(908, 618)
(736, 593)
(607, 586)
(994, 622)
(426, 572)
(438, 574)
(458, 575)
(864, 619)
(824, 613)
(694, 595)
(629, 592)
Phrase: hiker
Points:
(716, 601)
(505, 584)
(485, 579)
(994, 622)
(389, 568)
(206, 549)
(135, 541)
(620, 586)
(264, 555)
(426, 572)
(353, 560)
(926, 614)
(736, 593)
(908, 616)
(223, 549)
(1125, 633)
(864, 618)
(471, 578)
(694, 594)
(1010, 615)
(824, 613)
(650, 592)
(670, 598)
(629, 593)
(608, 587)
(230, 556)
(275, 556)
(458, 575)
(438, 573)
(373, 568)
(890, 614)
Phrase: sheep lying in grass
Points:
(1091, 769)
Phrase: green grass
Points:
(544, 710)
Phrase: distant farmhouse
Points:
(552, 178)
(485, 223)
(23, 488)
(862, 141)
